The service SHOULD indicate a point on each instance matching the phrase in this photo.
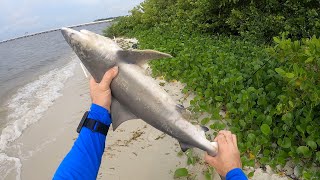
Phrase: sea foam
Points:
(27, 107)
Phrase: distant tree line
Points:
(104, 19)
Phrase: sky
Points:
(20, 17)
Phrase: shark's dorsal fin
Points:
(120, 114)
(140, 57)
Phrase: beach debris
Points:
(135, 136)
(161, 136)
(126, 43)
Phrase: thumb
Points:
(108, 76)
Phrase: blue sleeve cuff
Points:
(236, 174)
(100, 113)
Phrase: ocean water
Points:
(33, 71)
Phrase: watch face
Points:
(82, 121)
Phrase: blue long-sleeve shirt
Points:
(84, 159)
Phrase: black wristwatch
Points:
(93, 125)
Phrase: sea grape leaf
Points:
(312, 145)
(181, 172)
(265, 129)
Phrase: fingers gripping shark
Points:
(135, 95)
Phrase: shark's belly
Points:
(144, 98)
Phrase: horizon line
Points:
(56, 29)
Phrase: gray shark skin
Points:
(135, 95)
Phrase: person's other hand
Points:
(101, 92)
(228, 156)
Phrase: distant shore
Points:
(109, 18)
(56, 29)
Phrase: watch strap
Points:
(93, 125)
(96, 126)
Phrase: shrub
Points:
(257, 20)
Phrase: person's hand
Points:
(228, 156)
(101, 92)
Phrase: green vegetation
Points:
(109, 18)
(254, 19)
(234, 56)
(181, 172)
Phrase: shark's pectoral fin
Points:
(204, 128)
(140, 57)
(184, 147)
(119, 114)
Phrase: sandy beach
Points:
(134, 149)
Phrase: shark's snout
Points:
(67, 33)
(73, 36)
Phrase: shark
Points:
(136, 95)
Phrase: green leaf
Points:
(277, 132)
(261, 118)
(218, 98)
(250, 174)
(215, 114)
(205, 121)
(298, 127)
(242, 123)
(191, 160)
(290, 75)
(303, 150)
(268, 120)
(280, 71)
(266, 152)
(208, 175)
(287, 118)
(312, 145)
(306, 175)
(276, 39)
(310, 59)
(181, 172)
(265, 129)
(217, 126)
(318, 156)
(285, 143)
(251, 137)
